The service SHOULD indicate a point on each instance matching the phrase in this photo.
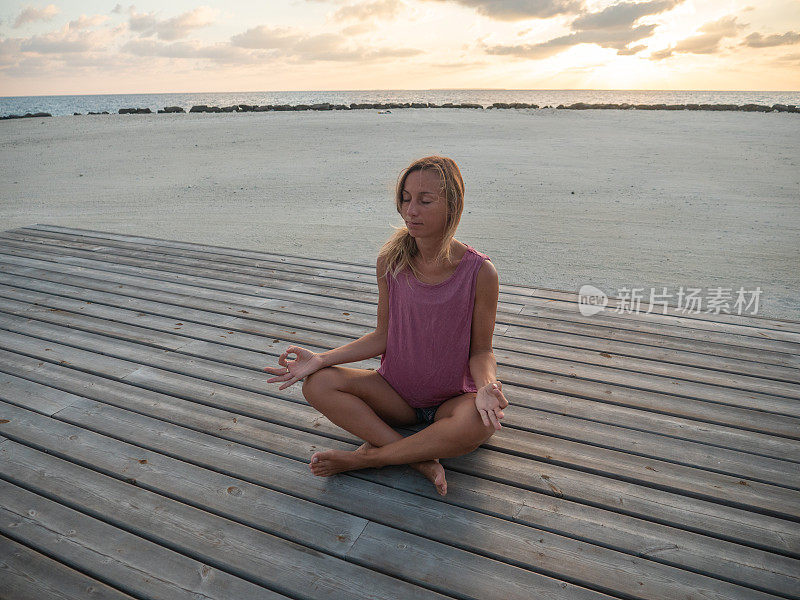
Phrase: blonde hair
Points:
(398, 251)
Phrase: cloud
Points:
(170, 29)
(30, 14)
(264, 43)
(612, 38)
(756, 40)
(67, 41)
(265, 37)
(517, 10)
(622, 15)
(707, 41)
(366, 11)
(613, 27)
(223, 52)
(84, 22)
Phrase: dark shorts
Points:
(426, 415)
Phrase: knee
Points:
(319, 382)
(480, 434)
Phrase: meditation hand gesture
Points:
(490, 403)
(307, 362)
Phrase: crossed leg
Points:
(363, 403)
(456, 430)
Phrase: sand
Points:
(557, 199)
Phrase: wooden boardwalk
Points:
(143, 455)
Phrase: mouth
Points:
(410, 223)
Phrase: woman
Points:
(437, 302)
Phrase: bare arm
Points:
(372, 344)
(482, 364)
(367, 346)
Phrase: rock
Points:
(755, 108)
(134, 111)
(27, 116)
(199, 108)
(719, 107)
(419, 105)
(76, 114)
(173, 109)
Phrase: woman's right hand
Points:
(292, 371)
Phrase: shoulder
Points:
(488, 277)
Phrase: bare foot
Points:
(430, 469)
(325, 464)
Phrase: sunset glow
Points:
(103, 47)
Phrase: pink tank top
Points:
(427, 349)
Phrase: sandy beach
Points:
(557, 199)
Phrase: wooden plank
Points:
(347, 270)
(277, 279)
(574, 561)
(254, 380)
(128, 562)
(514, 337)
(518, 338)
(520, 394)
(681, 452)
(34, 396)
(28, 574)
(521, 358)
(56, 302)
(413, 514)
(687, 327)
(52, 270)
(770, 339)
(705, 484)
(299, 437)
(264, 559)
(322, 286)
(323, 529)
(751, 494)
(352, 266)
(614, 375)
(251, 303)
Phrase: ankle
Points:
(372, 457)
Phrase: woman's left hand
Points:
(490, 403)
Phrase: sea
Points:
(68, 105)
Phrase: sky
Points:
(97, 47)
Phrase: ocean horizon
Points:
(60, 105)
